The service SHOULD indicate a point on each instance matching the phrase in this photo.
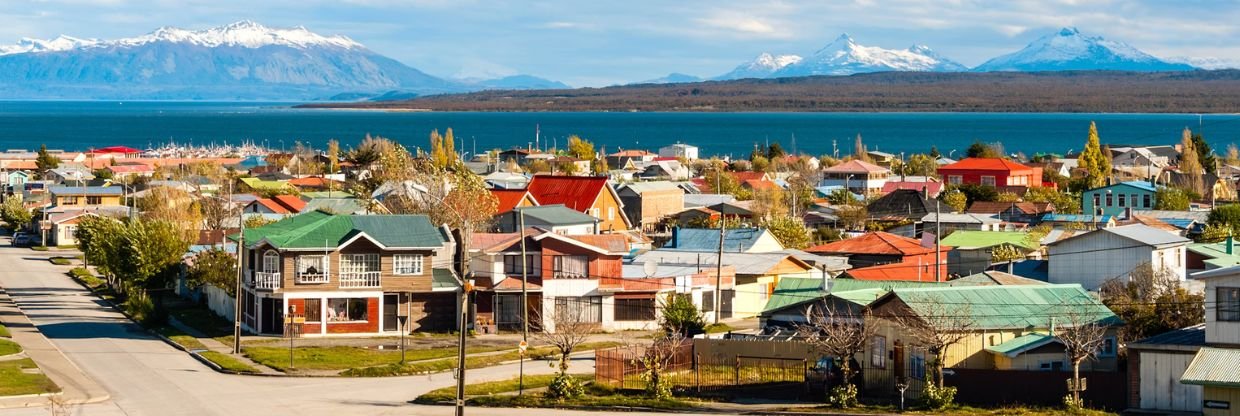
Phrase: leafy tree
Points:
(1097, 166)
(1190, 163)
(956, 199)
(790, 231)
(568, 168)
(841, 196)
(368, 151)
(1008, 197)
(1233, 155)
(1170, 198)
(580, 148)
(102, 173)
(760, 163)
(166, 203)
(1226, 216)
(1214, 233)
(681, 316)
(538, 166)
(333, 156)
(984, 150)
(256, 221)
(1151, 302)
(1205, 155)
(443, 149)
(977, 192)
(152, 249)
(1065, 203)
(934, 152)
(45, 161)
(14, 213)
(214, 267)
(921, 165)
(775, 151)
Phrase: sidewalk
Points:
(76, 386)
(213, 345)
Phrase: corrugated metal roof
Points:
(707, 239)
(1214, 367)
(1016, 346)
(878, 242)
(954, 218)
(744, 263)
(640, 187)
(1008, 307)
(992, 277)
(792, 291)
(971, 239)
(316, 229)
(557, 214)
(88, 190)
(1147, 235)
(575, 192)
(986, 163)
(1191, 336)
(444, 279)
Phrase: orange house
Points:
(588, 194)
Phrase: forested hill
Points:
(1086, 91)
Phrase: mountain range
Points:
(248, 61)
(244, 60)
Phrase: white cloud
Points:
(742, 25)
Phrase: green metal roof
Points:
(256, 183)
(1216, 254)
(317, 229)
(1016, 346)
(792, 291)
(1008, 307)
(443, 279)
(969, 239)
(1214, 367)
(557, 214)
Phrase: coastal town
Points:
(1098, 281)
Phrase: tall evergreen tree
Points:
(775, 151)
(1097, 165)
(1205, 155)
(1190, 163)
(45, 161)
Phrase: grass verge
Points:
(228, 362)
(717, 328)
(343, 358)
(431, 366)
(9, 347)
(447, 394)
(960, 410)
(18, 382)
(179, 337)
(39, 248)
(61, 261)
(4, 332)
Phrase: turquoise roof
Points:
(792, 291)
(1216, 254)
(443, 279)
(1142, 185)
(1008, 307)
(707, 239)
(1016, 346)
(317, 229)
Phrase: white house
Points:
(1093, 258)
(1216, 366)
(689, 152)
(859, 177)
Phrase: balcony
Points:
(312, 278)
(355, 280)
(265, 280)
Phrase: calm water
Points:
(80, 125)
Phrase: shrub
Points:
(843, 396)
(937, 398)
(565, 387)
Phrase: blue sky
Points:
(596, 43)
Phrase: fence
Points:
(687, 370)
(1105, 389)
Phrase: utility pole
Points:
(525, 311)
(938, 252)
(719, 261)
(464, 318)
(240, 277)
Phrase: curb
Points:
(88, 400)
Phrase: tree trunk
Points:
(1076, 380)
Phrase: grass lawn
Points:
(596, 396)
(717, 328)
(275, 356)
(17, 382)
(204, 321)
(9, 347)
(185, 340)
(61, 261)
(963, 411)
(83, 275)
(4, 332)
(445, 364)
(492, 387)
(228, 362)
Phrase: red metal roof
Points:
(115, 149)
(906, 271)
(283, 204)
(744, 176)
(986, 163)
(856, 166)
(759, 184)
(575, 192)
(310, 181)
(508, 199)
(878, 242)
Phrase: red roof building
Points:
(994, 172)
(588, 194)
(280, 204)
(115, 150)
(885, 256)
(512, 198)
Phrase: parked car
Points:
(22, 240)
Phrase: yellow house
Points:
(997, 327)
(86, 196)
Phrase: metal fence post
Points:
(737, 381)
(697, 372)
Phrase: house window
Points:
(69, 200)
(878, 352)
(585, 308)
(271, 262)
(359, 263)
(407, 264)
(917, 365)
(1121, 200)
(1228, 304)
(348, 310)
(1132, 200)
(1110, 200)
(611, 213)
(635, 309)
(94, 200)
(955, 179)
(314, 310)
(512, 264)
(570, 267)
(708, 301)
(1145, 200)
(312, 267)
(1108, 347)
(1050, 365)
(988, 180)
(1097, 201)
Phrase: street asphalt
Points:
(145, 376)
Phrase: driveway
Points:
(145, 376)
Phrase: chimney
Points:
(1231, 245)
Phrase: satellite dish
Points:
(650, 267)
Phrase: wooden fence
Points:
(688, 371)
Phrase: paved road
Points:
(148, 377)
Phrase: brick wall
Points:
(371, 324)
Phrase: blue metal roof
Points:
(707, 239)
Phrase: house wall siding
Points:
(1094, 258)
(1219, 332)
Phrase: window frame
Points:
(592, 304)
(324, 266)
(317, 310)
(416, 262)
(349, 305)
(268, 255)
(1227, 304)
(634, 309)
(955, 179)
(94, 200)
(558, 271)
(349, 263)
(878, 351)
(1109, 347)
(993, 180)
(512, 264)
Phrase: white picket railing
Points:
(268, 281)
(359, 279)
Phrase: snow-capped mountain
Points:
(243, 60)
(761, 67)
(1069, 50)
(844, 56)
(672, 78)
(1207, 62)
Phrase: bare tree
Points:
(1082, 338)
(657, 357)
(839, 334)
(930, 323)
(570, 330)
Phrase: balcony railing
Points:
(264, 280)
(313, 278)
(359, 279)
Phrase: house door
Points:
(272, 318)
(897, 361)
(725, 303)
(391, 304)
